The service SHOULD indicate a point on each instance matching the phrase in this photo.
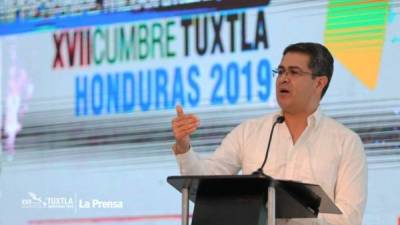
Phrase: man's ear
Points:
(322, 81)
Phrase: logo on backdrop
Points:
(35, 201)
(355, 33)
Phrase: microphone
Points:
(280, 119)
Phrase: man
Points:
(308, 147)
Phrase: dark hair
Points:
(321, 60)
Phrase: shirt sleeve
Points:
(351, 185)
(226, 160)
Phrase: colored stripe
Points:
(355, 7)
(131, 219)
(339, 39)
(358, 16)
(346, 32)
(355, 29)
(356, 44)
(352, 2)
(371, 22)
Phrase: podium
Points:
(248, 199)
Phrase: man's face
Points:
(296, 90)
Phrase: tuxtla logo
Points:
(67, 202)
(35, 201)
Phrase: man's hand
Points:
(183, 126)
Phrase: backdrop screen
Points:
(88, 97)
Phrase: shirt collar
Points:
(312, 120)
(315, 118)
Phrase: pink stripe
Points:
(106, 220)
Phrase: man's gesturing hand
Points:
(183, 126)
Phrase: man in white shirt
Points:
(308, 147)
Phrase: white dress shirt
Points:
(327, 153)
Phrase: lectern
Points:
(248, 199)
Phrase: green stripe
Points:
(349, 39)
(355, 12)
(355, 17)
(366, 6)
(377, 19)
(334, 2)
(363, 12)
(347, 33)
(332, 26)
